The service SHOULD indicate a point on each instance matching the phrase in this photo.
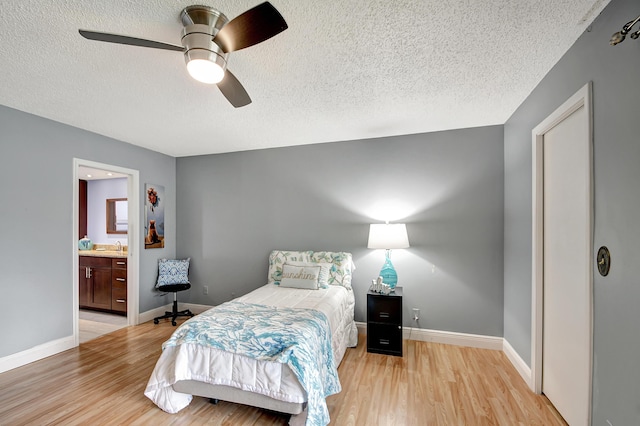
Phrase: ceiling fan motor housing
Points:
(201, 24)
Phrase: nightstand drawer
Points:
(384, 339)
(384, 309)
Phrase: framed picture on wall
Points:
(154, 216)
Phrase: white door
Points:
(566, 328)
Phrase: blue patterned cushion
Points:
(277, 259)
(342, 266)
(340, 270)
(173, 271)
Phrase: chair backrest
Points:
(173, 272)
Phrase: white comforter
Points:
(336, 302)
(187, 362)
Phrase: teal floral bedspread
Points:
(300, 338)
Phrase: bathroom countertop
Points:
(103, 253)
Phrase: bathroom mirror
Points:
(117, 216)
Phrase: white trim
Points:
(133, 252)
(195, 308)
(536, 267)
(56, 346)
(75, 277)
(452, 338)
(159, 311)
(518, 363)
(582, 98)
(446, 337)
(152, 313)
(464, 339)
(36, 353)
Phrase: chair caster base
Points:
(173, 315)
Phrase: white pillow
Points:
(300, 276)
(325, 268)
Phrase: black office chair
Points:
(173, 276)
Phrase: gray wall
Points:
(616, 90)
(233, 209)
(36, 222)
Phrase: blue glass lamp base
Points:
(388, 272)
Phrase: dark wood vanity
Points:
(103, 284)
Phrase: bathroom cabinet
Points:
(119, 285)
(103, 284)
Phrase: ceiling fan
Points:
(208, 37)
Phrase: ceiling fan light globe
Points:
(205, 71)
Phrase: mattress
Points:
(184, 365)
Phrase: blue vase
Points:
(85, 244)
(388, 272)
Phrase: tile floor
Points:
(95, 324)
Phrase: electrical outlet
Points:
(205, 289)
(416, 314)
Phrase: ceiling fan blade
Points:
(252, 27)
(132, 41)
(232, 89)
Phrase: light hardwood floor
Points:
(102, 382)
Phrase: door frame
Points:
(582, 98)
(133, 233)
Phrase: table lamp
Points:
(388, 236)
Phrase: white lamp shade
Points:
(388, 236)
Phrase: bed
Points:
(302, 321)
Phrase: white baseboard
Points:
(151, 314)
(446, 337)
(156, 312)
(56, 346)
(451, 338)
(523, 369)
(463, 339)
(36, 353)
(197, 309)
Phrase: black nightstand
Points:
(384, 323)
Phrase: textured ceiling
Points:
(348, 69)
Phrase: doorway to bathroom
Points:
(106, 257)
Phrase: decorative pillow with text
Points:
(325, 268)
(305, 277)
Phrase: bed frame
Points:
(231, 394)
